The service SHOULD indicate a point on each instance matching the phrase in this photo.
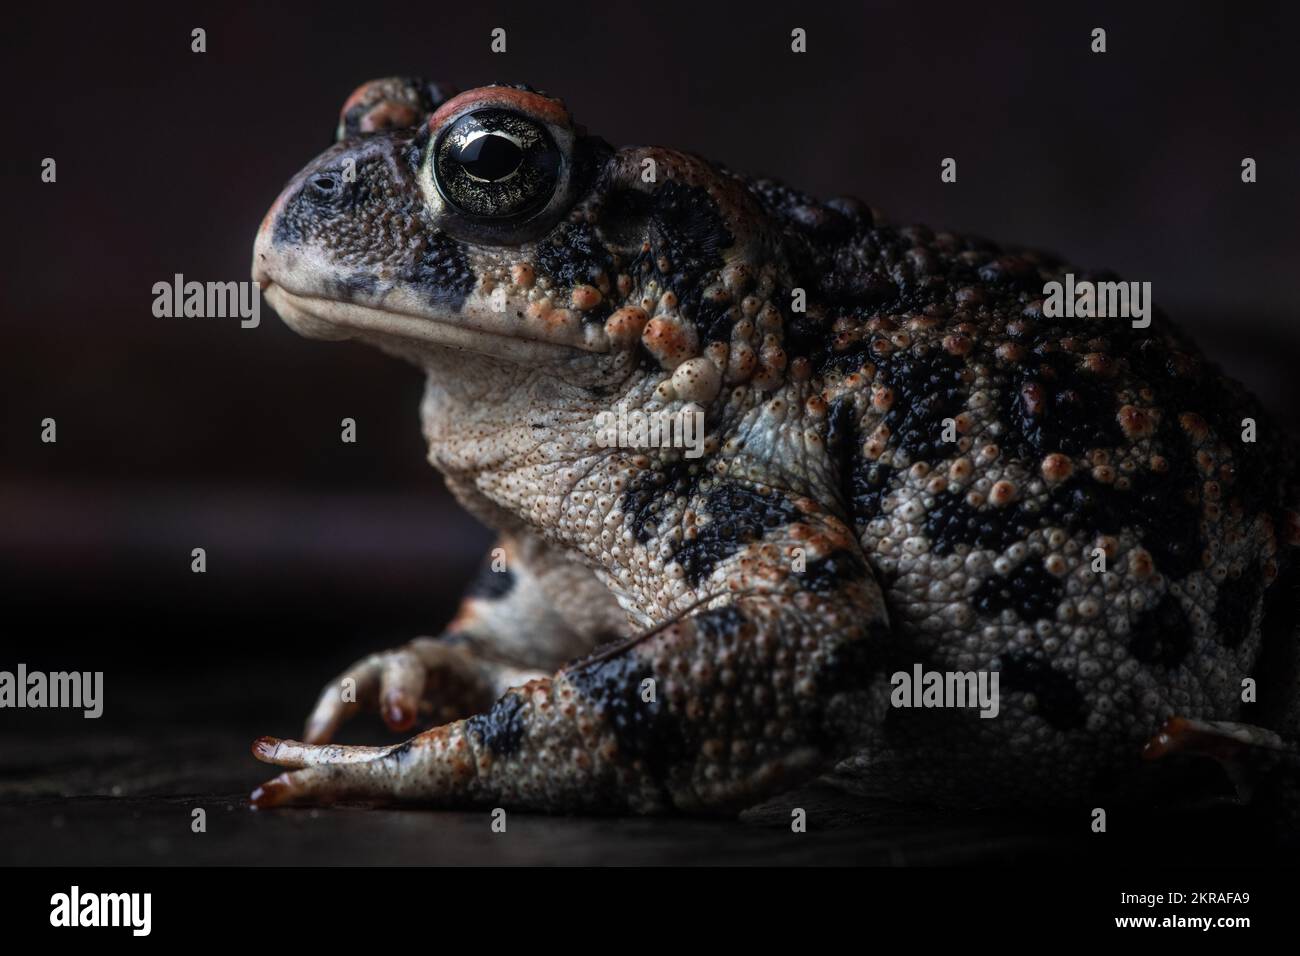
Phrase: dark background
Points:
(181, 433)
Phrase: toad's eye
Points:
(496, 164)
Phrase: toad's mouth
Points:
(470, 329)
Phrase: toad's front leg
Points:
(512, 626)
(739, 699)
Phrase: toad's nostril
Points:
(323, 186)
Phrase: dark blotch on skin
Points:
(1013, 272)
(926, 391)
(1059, 701)
(1235, 608)
(400, 752)
(644, 730)
(805, 334)
(689, 228)
(870, 486)
(502, 728)
(853, 666)
(1184, 381)
(1156, 507)
(737, 516)
(650, 491)
(951, 521)
(718, 623)
(1029, 591)
(491, 585)
(852, 286)
(1169, 526)
(358, 283)
(683, 225)
(574, 254)
(414, 150)
(1055, 406)
(842, 427)
(1162, 634)
(1153, 507)
(850, 666)
(842, 443)
(832, 571)
(442, 272)
(714, 320)
(863, 484)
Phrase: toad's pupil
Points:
(489, 157)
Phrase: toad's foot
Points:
(440, 767)
(318, 775)
(430, 678)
